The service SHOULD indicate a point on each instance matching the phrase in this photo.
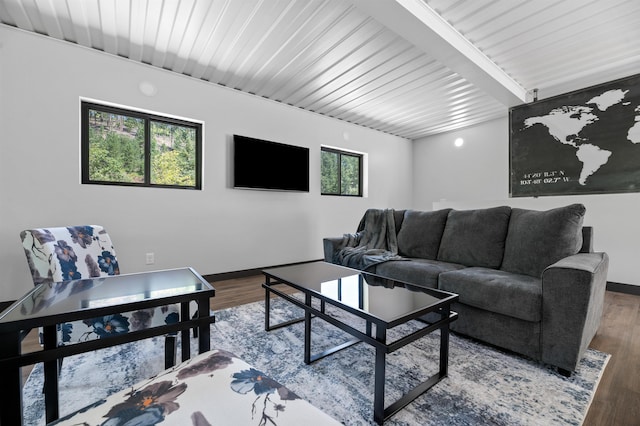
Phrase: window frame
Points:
(147, 117)
(340, 153)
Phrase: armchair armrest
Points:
(332, 245)
(572, 304)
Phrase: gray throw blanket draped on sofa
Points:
(374, 243)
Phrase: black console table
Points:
(50, 304)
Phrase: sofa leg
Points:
(563, 372)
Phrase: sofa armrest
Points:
(572, 304)
(332, 245)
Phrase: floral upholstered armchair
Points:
(56, 255)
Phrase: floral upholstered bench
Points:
(213, 388)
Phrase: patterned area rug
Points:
(485, 386)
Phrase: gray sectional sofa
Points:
(528, 281)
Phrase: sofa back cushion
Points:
(537, 239)
(421, 232)
(398, 218)
(475, 237)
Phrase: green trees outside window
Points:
(341, 173)
(121, 147)
(173, 154)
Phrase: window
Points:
(132, 148)
(341, 173)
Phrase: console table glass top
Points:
(70, 297)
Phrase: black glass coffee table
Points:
(383, 304)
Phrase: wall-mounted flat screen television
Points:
(261, 164)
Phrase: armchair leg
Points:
(169, 351)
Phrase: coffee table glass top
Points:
(72, 296)
(383, 298)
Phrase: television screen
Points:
(260, 164)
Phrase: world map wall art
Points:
(583, 142)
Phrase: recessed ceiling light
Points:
(458, 142)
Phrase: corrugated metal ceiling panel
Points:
(548, 44)
(330, 57)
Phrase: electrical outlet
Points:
(150, 259)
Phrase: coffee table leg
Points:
(267, 303)
(380, 373)
(444, 347)
(307, 330)
(268, 290)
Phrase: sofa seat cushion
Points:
(503, 331)
(422, 272)
(421, 232)
(537, 239)
(475, 237)
(518, 296)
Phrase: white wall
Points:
(477, 175)
(218, 229)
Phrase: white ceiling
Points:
(410, 68)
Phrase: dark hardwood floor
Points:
(617, 399)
